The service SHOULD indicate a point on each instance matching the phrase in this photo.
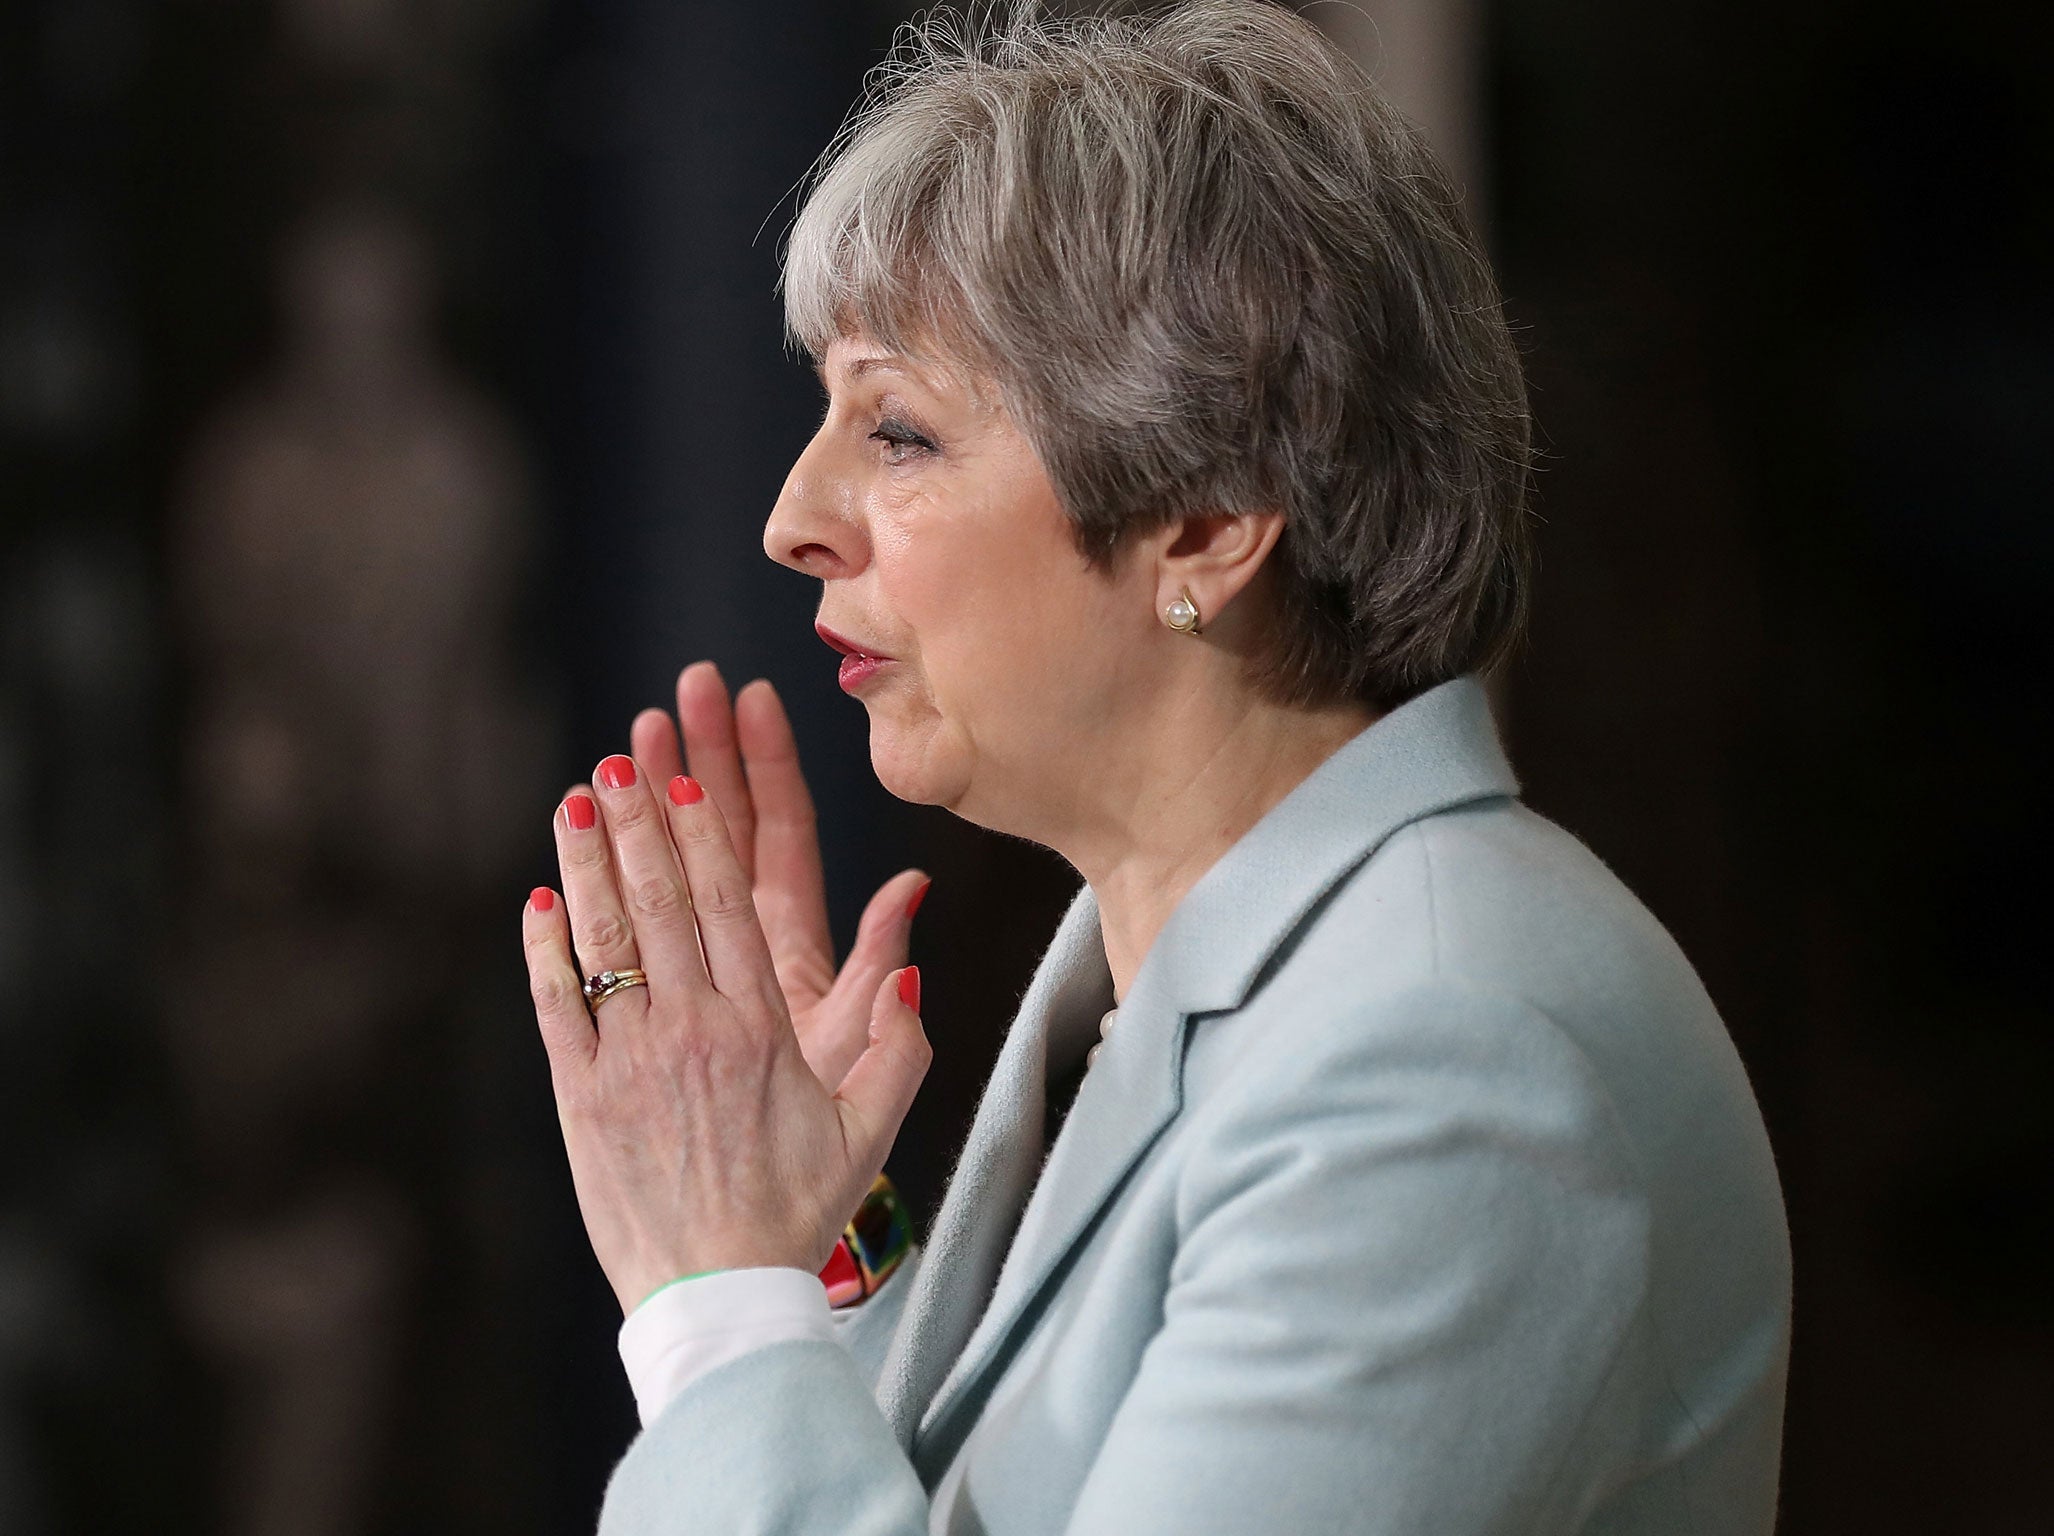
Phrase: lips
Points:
(858, 663)
(847, 646)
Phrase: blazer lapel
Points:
(1124, 1102)
(1435, 752)
(985, 1194)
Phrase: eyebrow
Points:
(906, 367)
(863, 365)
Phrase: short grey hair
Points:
(1208, 268)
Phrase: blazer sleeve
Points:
(1405, 1300)
(787, 1439)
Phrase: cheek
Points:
(1021, 657)
(968, 597)
(1009, 629)
(975, 632)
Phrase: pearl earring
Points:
(1181, 614)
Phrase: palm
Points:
(745, 756)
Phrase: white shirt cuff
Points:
(688, 1328)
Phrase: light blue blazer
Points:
(1418, 1190)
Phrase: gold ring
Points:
(599, 988)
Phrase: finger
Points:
(603, 937)
(653, 739)
(884, 934)
(874, 1097)
(883, 937)
(791, 891)
(555, 983)
(737, 958)
(712, 756)
(651, 883)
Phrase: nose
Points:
(811, 528)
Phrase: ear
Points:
(1213, 556)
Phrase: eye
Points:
(902, 442)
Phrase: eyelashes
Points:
(902, 441)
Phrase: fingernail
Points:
(684, 791)
(542, 898)
(580, 812)
(618, 772)
(918, 897)
(909, 987)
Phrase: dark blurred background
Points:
(391, 396)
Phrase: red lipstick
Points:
(858, 662)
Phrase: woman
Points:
(1364, 1156)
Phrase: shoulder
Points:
(1484, 969)
(1485, 899)
(1479, 1067)
(1491, 901)
(1400, 1008)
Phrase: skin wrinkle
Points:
(1029, 692)
(1157, 177)
(1217, 293)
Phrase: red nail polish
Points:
(618, 772)
(684, 791)
(542, 898)
(918, 897)
(909, 987)
(580, 812)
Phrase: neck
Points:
(1207, 778)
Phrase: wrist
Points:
(666, 1285)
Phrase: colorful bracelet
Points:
(869, 1248)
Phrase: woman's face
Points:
(943, 549)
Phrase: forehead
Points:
(852, 356)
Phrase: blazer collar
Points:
(1437, 751)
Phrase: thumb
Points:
(884, 933)
(874, 1097)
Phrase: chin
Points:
(909, 765)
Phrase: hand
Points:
(748, 760)
(699, 1136)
